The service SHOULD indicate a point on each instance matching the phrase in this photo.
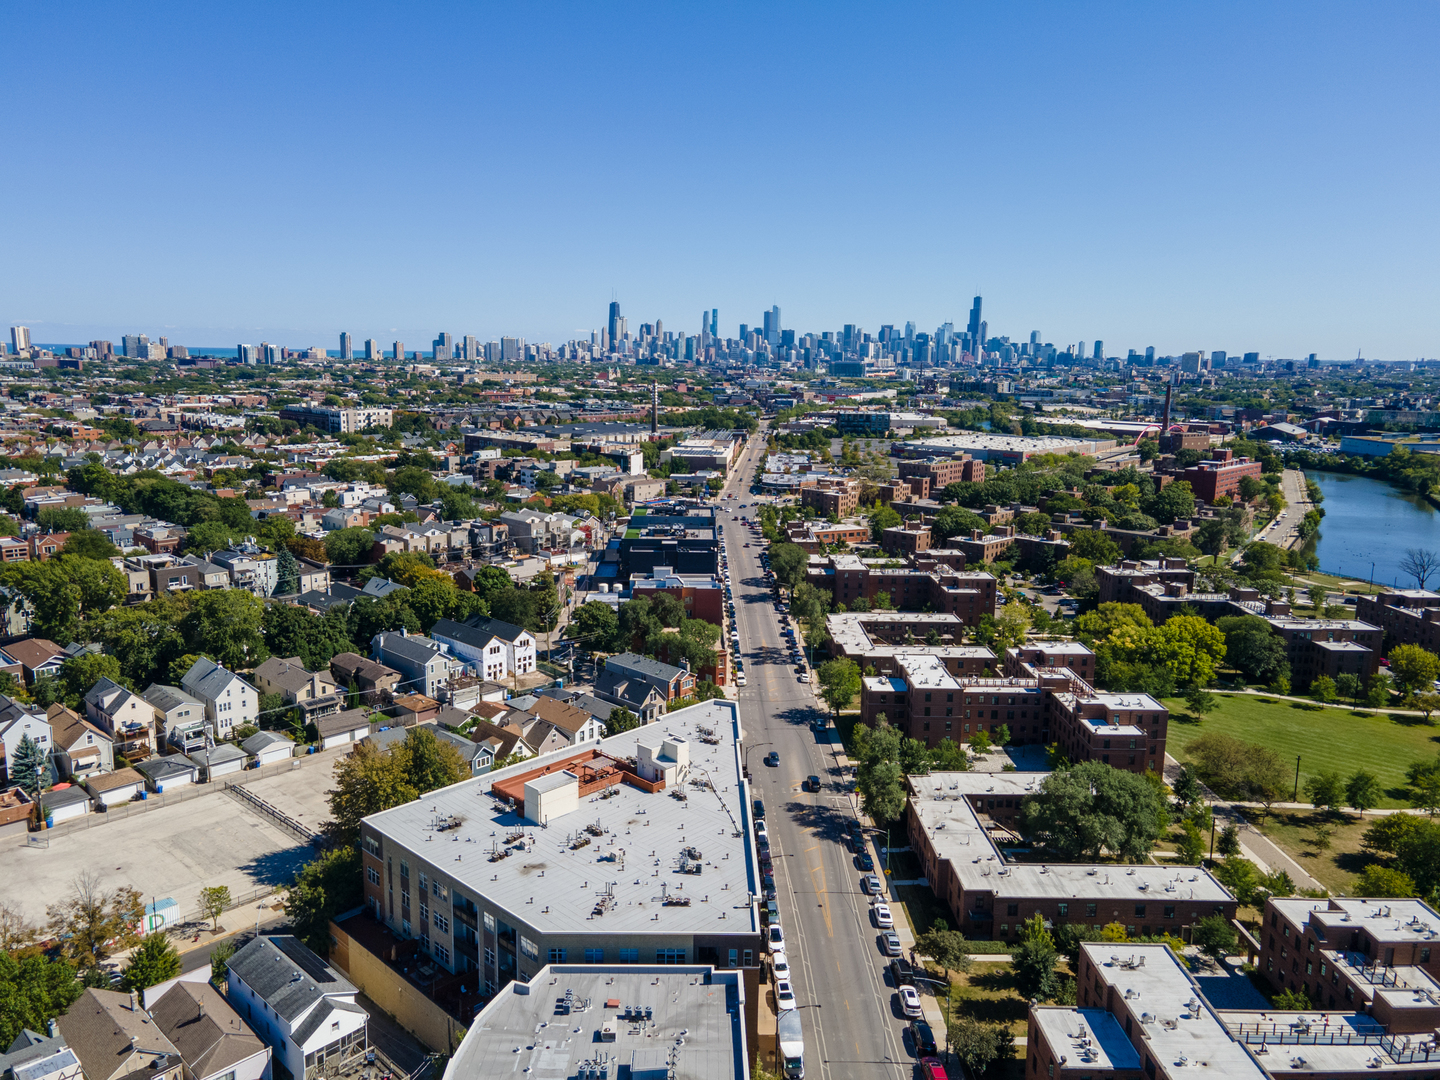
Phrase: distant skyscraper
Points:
(772, 326)
(910, 333)
(973, 326)
(1034, 339)
(714, 322)
(1252, 358)
(443, 347)
(1150, 354)
(614, 323)
(373, 350)
(984, 332)
(347, 347)
(1218, 358)
(248, 354)
(20, 338)
(1099, 353)
(130, 345)
(399, 350)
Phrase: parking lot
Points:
(176, 850)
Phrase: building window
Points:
(424, 911)
(557, 956)
(489, 922)
(1090, 911)
(489, 957)
(629, 956)
(529, 948)
(594, 956)
(372, 875)
(669, 956)
(441, 923)
(1063, 910)
(442, 954)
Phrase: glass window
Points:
(557, 956)
(629, 956)
(594, 956)
(489, 922)
(529, 948)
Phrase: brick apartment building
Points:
(1315, 647)
(906, 539)
(828, 496)
(951, 820)
(968, 595)
(941, 473)
(810, 536)
(1220, 475)
(1407, 616)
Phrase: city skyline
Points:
(1170, 176)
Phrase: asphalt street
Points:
(851, 1015)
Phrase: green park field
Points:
(1325, 739)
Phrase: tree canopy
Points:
(1091, 808)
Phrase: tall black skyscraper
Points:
(973, 326)
(614, 322)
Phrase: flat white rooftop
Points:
(1087, 1038)
(941, 802)
(617, 863)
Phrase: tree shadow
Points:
(278, 867)
(1354, 862)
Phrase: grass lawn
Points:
(922, 907)
(1336, 867)
(1324, 739)
(988, 993)
(1338, 584)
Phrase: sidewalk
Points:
(1322, 704)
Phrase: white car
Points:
(883, 919)
(910, 1003)
(780, 965)
(784, 995)
(805, 677)
(775, 940)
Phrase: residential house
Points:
(168, 773)
(33, 1056)
(424, 663)
(519, 643)
(312, 692)
(369, 677)
(35, 656)
(541, 737)
(16, 809)
(125, 716)
(485, 651)
(114, 1039)
(18, 721)
(302, 1008)
(181, 716)
(577, 724)
(213, 1041)
(250, 568)
(535, 531)
(46, 546)
(268, 747)
(642, 685)
(230, 701)
(496, 743)
(80, 749)
(314, 577)
(115, 788)
(208, 575)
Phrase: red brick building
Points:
(1220, 476)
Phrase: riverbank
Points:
(1369, 523)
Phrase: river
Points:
(1369, 521)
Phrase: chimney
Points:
(54, 1029)
(134, 1001)
(201, 1004)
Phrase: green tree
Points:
(1187, 786)
(1253, 647)
(945, 946)
(882, 518)
(1413, 668)
(839, 682)
(1215, 936)
(1191, 848)
(225, 625)
(80, 672)
(92, 922)
(788, 562)
(33, 991)
(1034, 962)
(1325, 790)
(287, 571)
(1091, 808)
(290, 630)
(62, 519)
(349, 547)
(220, 961)
(882, 789)
(981, 743)
(214, 902)
(1383, 881)
(596, 627)
(978, 1044)
(1349, 686)
(1229, 842)
(89, 544)
(30, 769)
(367, 781)
(1322, 688)
(154, 961)
(1094, 545)
(621, 719)
(1426, 703)
(1363, 791)
(1200, 701)
(1189, 647)
(1417, 853)
(953, 521)
(1377, 693)
(327, 885)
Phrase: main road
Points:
(851, 1018)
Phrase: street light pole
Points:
(1296, 797)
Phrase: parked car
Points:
(775, 939)
(923, 1038)
(784, 995)
(804, 678)
(864, 861)
(772, 913)
(759, 809)
(901, 973)
(890, 943)
(870, 884)
(910, 1003)
(780, 965)
(883, 918)
(931, 1069)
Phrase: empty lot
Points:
(177, 850)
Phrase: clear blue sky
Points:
(1209, 175)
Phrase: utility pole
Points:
(1296, 796)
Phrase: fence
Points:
(285, 821)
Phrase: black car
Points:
(812, 783)
(865, 862)
(901, 973)
(923, 1037)
(759, 809)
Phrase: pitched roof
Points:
(500, 740)
(509, 631)
(209, 1034)
(207, 678)
(32, 652)
(112, 781)
(357, 667)
(461, 632)
(99, 1027)
(286, 975)
(67, 727)
(564, 716)
(166, 698)
(633, 663)
(418, 650)
(290, 674)
(264, 740)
